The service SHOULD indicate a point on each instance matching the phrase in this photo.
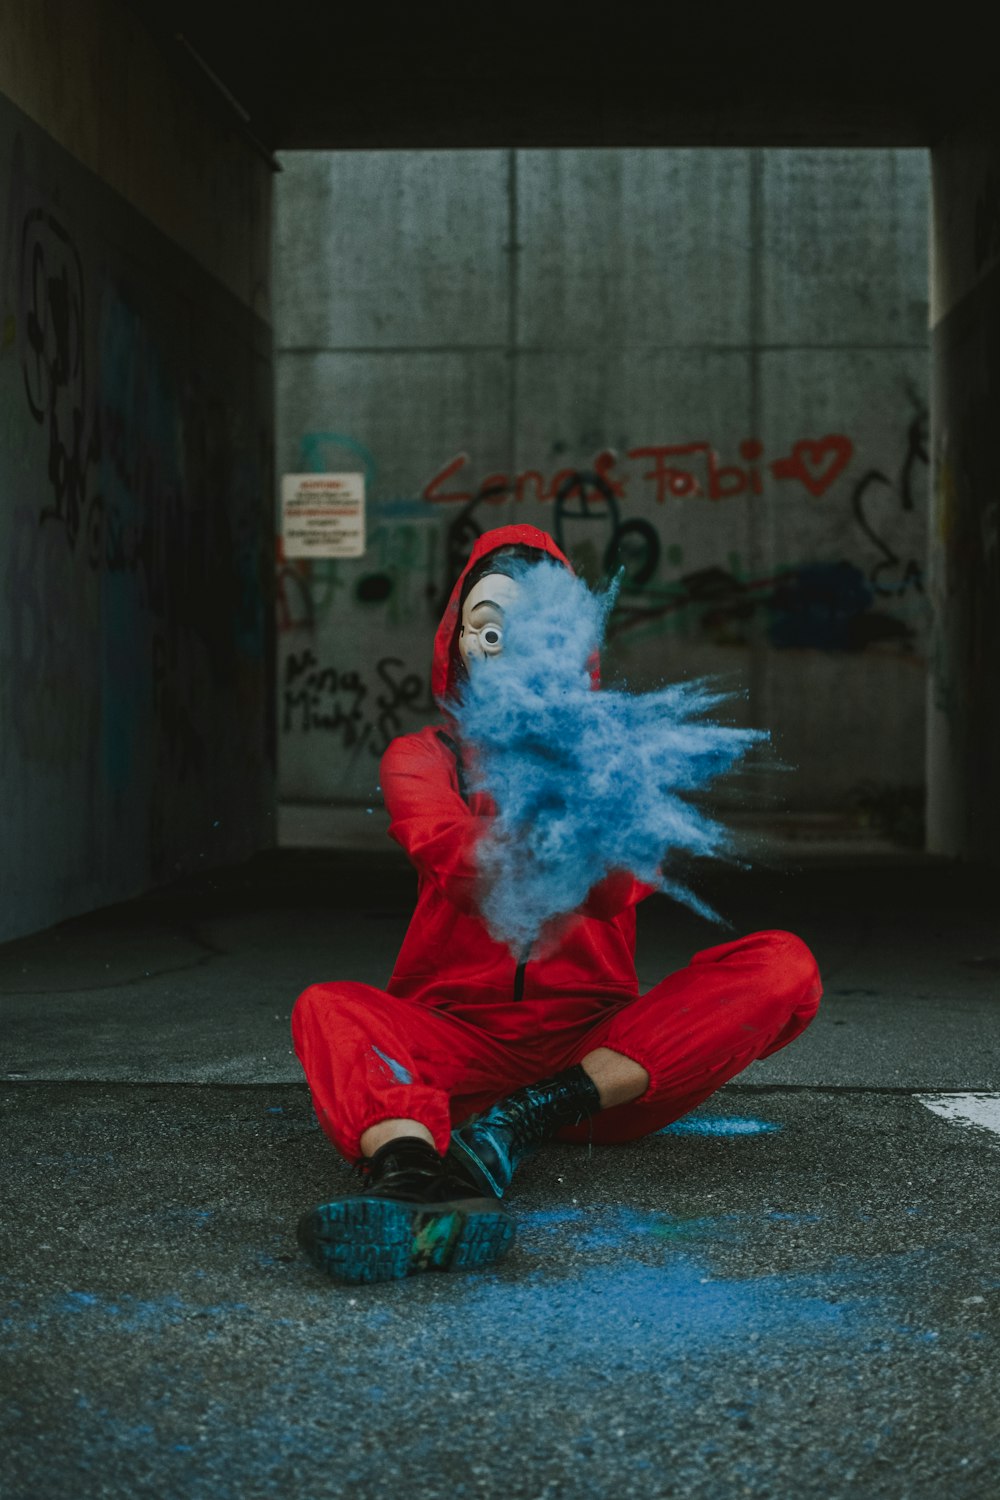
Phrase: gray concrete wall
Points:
(735, 342)
(136, 471)
(964, 705)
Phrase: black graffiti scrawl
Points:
(134, 560)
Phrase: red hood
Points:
(446, 638)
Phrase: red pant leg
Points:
(369, 1056)
(701, 1026)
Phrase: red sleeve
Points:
(439, 830)
(613, 894)
(430, 819)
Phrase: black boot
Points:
(489, 1148)
(413, 1214)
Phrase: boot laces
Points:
(526, 1125)
(529, 1116)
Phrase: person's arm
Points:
(613, 894)
(439, 830)
(430, 819)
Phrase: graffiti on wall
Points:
(872, 598)
(399, 572)
(134, 576)
(361, 712)
(828, 604)
(825, 605)
(892, 574)
(661, 471)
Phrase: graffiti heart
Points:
(815, 464)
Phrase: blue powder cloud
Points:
(584, 782)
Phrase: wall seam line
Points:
(512, 308)
(748, 348)
(757, 686)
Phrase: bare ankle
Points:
(619, 1080)
(390, 1130)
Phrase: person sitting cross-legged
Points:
(441, 1084)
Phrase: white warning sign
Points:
(323, 515)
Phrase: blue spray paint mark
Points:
(585, 782)
(724, 1125)
(824, 606)
(402, 510)
(401, 1074)
(317, 458)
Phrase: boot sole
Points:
(359, 1240)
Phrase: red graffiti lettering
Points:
(531, 476)
(669, 478)
(496, 487)
(604, 462)
(752, 448)
(432, 489)
(725, 483)
(816, 464)
(559, 478)
(678, 471)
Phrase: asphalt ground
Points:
(794, 1292)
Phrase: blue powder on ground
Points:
(641, 1313)
(143, 1315)
(712, 1346)
(718, 1125)
(552, 1218)
(607, 1227)
(585, 782)
(643, 1317)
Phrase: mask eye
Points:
(492, 639)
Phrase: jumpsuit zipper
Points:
(519, 980)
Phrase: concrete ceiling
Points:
(442, 74)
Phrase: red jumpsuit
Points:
(461, 1023)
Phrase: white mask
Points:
(483, 616)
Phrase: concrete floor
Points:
(795, 1292)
